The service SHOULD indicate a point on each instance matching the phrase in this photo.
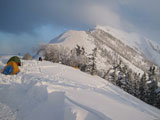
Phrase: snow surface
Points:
(141, 44)
(145, 48)
(72, 38)
(50, 91)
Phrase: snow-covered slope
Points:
(138, 42)
(135, 51)
(48, 91)
(72, 38)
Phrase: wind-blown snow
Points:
(49, 91)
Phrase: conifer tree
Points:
(92, 68)
(151, 86)
(113, 77)
(142, 87)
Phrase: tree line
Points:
(143, 86)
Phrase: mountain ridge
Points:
(112, 44)
(52, 91)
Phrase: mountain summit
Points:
(138, 52)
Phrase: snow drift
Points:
(48, 91)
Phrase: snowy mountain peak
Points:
(131, 39)
(67, 35)
(134, 49)
(138, 42)
(72, 38)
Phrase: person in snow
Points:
(40, 59)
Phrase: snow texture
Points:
(49, 91)
(72, 38)
(141, 44)
(135, 51)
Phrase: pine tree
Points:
(112, 77)
(135, 84)
(78, 50)
(157, 103)
(79, 58)
(130, 82)
(142, 87)
(151, 86)
(92, 68)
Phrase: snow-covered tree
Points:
(92, 67)
(79, 58)
(142, 87)
(151, 86)
(135, 84)
(57, 54)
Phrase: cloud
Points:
(146, 8)
(32, 21)
(101, 14)
(11, 43)
(25, 15)
(143, 14)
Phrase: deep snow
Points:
(50, 91)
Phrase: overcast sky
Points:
(24, 23)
